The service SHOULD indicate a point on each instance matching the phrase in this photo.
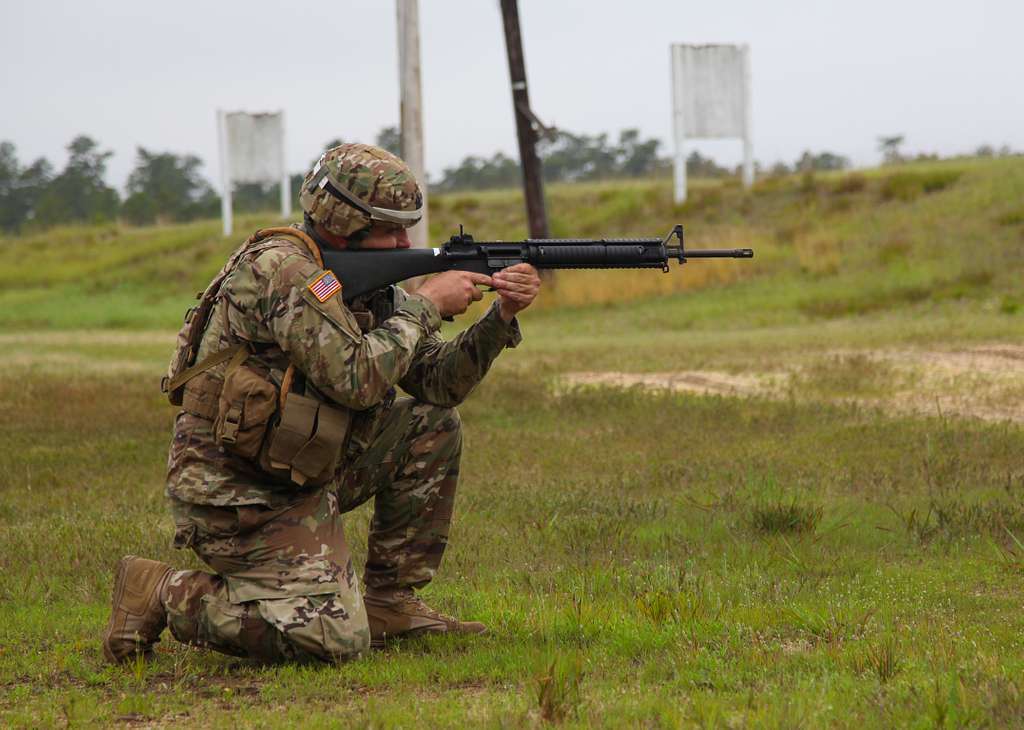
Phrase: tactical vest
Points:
(287, 428)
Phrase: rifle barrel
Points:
(718, 253)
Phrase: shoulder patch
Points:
(325, 286)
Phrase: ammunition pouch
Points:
(247, 402)
(306, 441)
(291, 434)
(301, 441)
(183, 366)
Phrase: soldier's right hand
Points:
(453, 291)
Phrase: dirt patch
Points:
(703, 382)
(985, 381)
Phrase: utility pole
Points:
(528, 127)
(412, 106)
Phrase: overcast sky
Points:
(826, 75)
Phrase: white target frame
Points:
(710, 100)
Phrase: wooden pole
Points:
(533, 184)
(412, 107)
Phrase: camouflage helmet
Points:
(352, 186)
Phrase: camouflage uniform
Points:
(284, 586)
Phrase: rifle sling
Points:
(307, 241)
(236, 354)
(296, 235)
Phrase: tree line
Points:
(168, 187)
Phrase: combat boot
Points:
(138, 614)
(400, 612)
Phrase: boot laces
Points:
(409, 598)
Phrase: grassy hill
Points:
(844, 551)
(827, 246)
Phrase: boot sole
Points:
(119, 581)
(381, 642)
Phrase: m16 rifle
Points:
(360, 272)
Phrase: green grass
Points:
(643, 559)
(640, 559)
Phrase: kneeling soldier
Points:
(290, 418)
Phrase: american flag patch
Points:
(325, 286)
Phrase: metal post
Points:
(286, 183)
(225, 172)
(533, 184)
(412, 108)
(678, 123)
(748, 125)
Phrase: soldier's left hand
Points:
(517, 287)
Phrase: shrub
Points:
(808, 183)
(1012, 218)
(819, 253)
(852, 183)
(845, 375)
(779, 517)
(908, 186)
(558, 690)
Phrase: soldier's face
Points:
(384, 235)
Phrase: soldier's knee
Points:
(230, 628)
(448, 427)
(329, 628)
(428, 418)
(453, 420)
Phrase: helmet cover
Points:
(354, 185)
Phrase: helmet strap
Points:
(352, 240)
(310, 226)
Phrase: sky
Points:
(826, 75)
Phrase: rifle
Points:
(360, 272)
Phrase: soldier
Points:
(290, 418)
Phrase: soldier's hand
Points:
(517, 287)
(453, 291)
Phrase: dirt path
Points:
(985, 381)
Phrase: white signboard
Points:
(711, 100)
(252, 151)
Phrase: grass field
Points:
(806, 557)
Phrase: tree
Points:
(566, 157)
(254, 197)
(890, 149)
(569, 157)
(637, 157)
(167, 186)
(810, 162)
(478, 173)
(79, 192)
(699, 166)
(20, 188)
(12, 213)
(390, 139)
